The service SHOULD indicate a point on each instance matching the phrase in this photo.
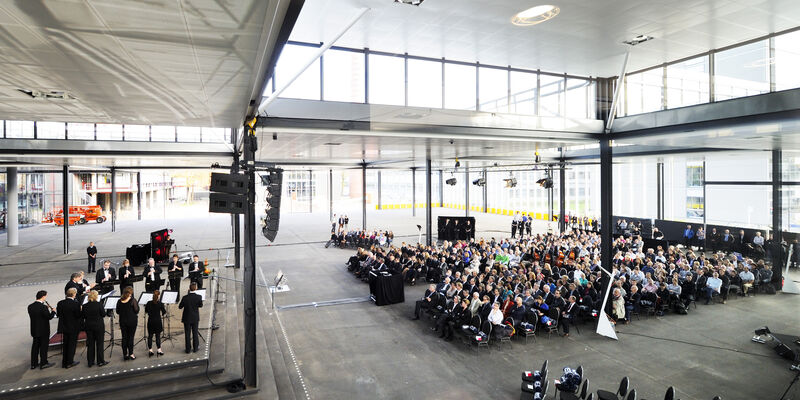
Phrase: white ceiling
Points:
(144, 62)
(584, 39)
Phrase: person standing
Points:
(126, 273)
(152, 276)
(154, 310)
(175, 273)
(92, 314)
(69, 323)
(196, 271)
(104, 275)
(128, 310)
(40, 314)
(688, 235)
(191, 304)
(91, 251)
(333, 224)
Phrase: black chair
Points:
(467, 335)
(631, 395)
(584, 389)
(553, 314)
(506, 338)
(670, 394)
(619, 394)
(486, 327)
(590, 397)
(529, 331)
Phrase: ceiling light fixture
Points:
(637, 40)
(410, 2)
(535, 15)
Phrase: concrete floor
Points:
(359, 351)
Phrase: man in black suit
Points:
(40, 314)
(196, 271)
(191, 304)
(152, 276)
(568, 314)
(69, 323)
(80, 285)
(107, 273)
(426, 301)
(91, 251)
(176, 270)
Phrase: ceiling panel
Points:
(584, 39)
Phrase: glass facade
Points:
(460, 86)
(742, 71)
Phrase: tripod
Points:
(166, 335)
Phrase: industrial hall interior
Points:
(400, 199)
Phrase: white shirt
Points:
(496, 316)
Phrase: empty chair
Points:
(631, 395)
(590, 397)
(576, 396)
(670, 394)
(619, 394)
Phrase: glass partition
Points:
(343, 76)
(387, 80)
(459, 86)
(424, 83)
(742, 71)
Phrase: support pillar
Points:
(236, 219)
(441, 188)
(660, 190)
(364, 197)
(379, 191)
(562, 198)
(606, 194)
(413, 191)
(428, 207)
(139, 195)
(310, 191)
(705, 228)
(114, 199)
(466, 190)
(12, 207)
(65, 204)
(777, 200)
(249, 273)
(485, 191)
(330, 194)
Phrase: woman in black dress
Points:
(154, 309)
(128, 310)
(92, 314)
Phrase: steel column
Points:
(379, 190)
(606, 196)
(139, 195)
(660, 190)
(466, 191)
(413, 191)
(428, 206)
(114, 199)
(65, 205)
(704, 200)
(236, 218)
(562, 198)
(310, 191)
(330, 194)
(777, 200)
(249, 275)
(441, 188)
(364, 196)
(485, 190)
(12, 207)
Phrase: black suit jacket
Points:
(92, 314)
(69, 316)
(72, 284)
(91, 250)
(191, 304)
(40, 319)
(156, 274)
(100, 275)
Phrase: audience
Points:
(547, 277)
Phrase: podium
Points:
(386, 288)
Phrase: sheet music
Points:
(144, 298)
(169, 297)
(111, 303)
(201, 292)
(111, 293)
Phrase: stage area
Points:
(356, 350)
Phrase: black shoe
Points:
(48, 365)
(414, 318)
(125, 358)
(194, 351)
(34, 366)
(159, 353)
(102, 363)
(188, 351)
(132, 357)
(74, 363)
(448, 339)
(89, 365)
(150, 353)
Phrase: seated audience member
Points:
(747, 278)
(713, 285)
(426, 302)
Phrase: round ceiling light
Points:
(535, 15)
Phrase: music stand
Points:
(169, 297)
(144, 297)
(110, 304)
(201, 292)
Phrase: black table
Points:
(386, 288)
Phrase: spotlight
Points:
(546, 183)
(458, 163)
(762, 331)
(275, 136)
(451, 181)
(510, 182)
(479, 182)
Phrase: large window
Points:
(188, 134)
(162, 133)
(80, 131)
(424, 83)
(459, 87)
(132, 132)
(50, 130)
(493, 89)
(19, 129)
(114, 131)
(551, 95)
(687, 83)
(344, 76)
(291, 61)
(644, 91)
(580, 98)
(523, 93)
(787, 61)
(742, 71)
(387, 80)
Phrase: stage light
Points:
(546, 183)
(479, 182)
(762, 331)
(458, 163)
(510, 182)
(451, 181)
